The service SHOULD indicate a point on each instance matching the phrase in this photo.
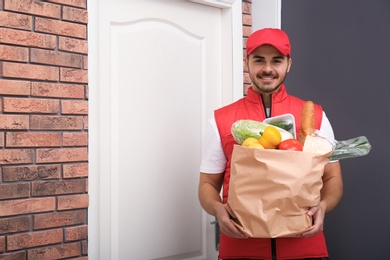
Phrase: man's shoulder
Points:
(232, 106)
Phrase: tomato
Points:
(270, 138)
(291, 144)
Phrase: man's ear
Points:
(289, 64)
(246, 60)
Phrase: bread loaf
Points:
(307, 121)
(318, 144)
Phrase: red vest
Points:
(251, 107)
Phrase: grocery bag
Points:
(270, 191)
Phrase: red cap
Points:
(271, 36)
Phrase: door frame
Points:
(232, 60)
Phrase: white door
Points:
(157, 72)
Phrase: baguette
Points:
(307, 121)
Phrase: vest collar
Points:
(277, 97)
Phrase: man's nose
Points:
(267, 68)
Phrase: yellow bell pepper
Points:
(270, 138)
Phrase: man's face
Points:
(267, 68)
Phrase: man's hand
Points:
(318, 214)
(223, 215)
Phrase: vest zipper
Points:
(273, 248)
(265, 109)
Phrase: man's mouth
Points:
(267, 78)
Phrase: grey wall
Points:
(341, 59)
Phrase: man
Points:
(268, 61)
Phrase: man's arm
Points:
(331, 194)
(209, 187)
(332, 190)
(208, 191)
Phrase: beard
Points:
(264, 88)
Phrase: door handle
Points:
(217, 233)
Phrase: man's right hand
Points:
(224, 214)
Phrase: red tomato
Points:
(291, 144)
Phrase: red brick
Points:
(21, 255)
(73, 75)
(14, 190)
(247, 31)
(13, 53)
(58, 187)
(75, 170)
(16, 21)
(61, 155)
(28, 173)
(247, 79)
(74, 15)
(72, 45)
(76, 3)
(1, 142)
(33, 139)
(30, 105)
(34, 239)
(30, 39)
(84, 249)
(56, 122)
(86, 121)
(247, 20)
(79, 107)
(60, 219)
(33, 7)
(2, 244)
(60, 28)
(76, 233)
(56, 58)
(29, 71)
(56, 252)
(14, 122)
(82, 257)
(42, 89)
(72, 202)
(75, 139)
(15, 87)
(247, 8)
(16, 156)
(26, 206)
(85, 62)
(14, 224)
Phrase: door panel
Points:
(159, 116)
(160, 78)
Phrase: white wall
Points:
(266, 13)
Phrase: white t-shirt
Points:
(213, 157)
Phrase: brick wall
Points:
(247, 30)
(43, 129)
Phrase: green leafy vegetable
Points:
(242, 129)
(283, 124)
(351, 148)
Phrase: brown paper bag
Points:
(270, 191)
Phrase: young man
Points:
(268, 61)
